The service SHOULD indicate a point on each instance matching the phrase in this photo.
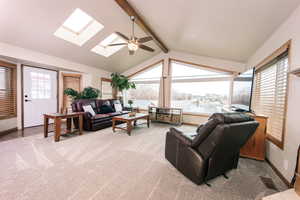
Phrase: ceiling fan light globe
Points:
(132, 46)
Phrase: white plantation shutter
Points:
(7, 92)
(270, 96)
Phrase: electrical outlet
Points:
(286, 164)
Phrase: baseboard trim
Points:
(190, 124)
(8, 131)
(286, 182)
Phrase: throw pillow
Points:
(104, 109)
(203, 131)
(118, 107)
(89, 109)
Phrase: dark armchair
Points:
(213, 149)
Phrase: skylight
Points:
(78, 28)
(104, 50)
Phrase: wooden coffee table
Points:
(57, 117)
(128, 120)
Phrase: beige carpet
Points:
(114, 166)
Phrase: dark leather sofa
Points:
(213, 149)
(103, 117)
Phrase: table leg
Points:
(80, 124)
(134, 123)
(57, 124)
(46, 125)
(148, 122)
(113, 125)
(129, 127)
(69, 125)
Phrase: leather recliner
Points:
(211, 151)
(100, 120)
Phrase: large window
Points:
(198, 89)
(7, 91)
(106, 89)
(270, 93)
(147, 87)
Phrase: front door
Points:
(40, 94)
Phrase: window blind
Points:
(270, 96)
(7, 92)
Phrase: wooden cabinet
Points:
(256, 146)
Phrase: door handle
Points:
(26, 100)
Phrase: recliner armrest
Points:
(180, 136)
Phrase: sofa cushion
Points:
(77, 104)
(105, 109)
(114, 114)
(203, 131)
(118, 107)
(89, 109)
(228, 118)
(100, 116)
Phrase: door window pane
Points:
(40, 85)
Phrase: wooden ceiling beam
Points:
(139, 21)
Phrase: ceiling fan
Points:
(133, 43)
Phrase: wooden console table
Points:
(57, 117)
(167, 115)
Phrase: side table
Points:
(57, 117)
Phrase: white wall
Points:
(284, 160)
(91, 75)
(208, 61)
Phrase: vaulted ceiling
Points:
(231, 29)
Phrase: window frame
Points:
(161, 83)
(13, 80)
(108, 81)
(203, 67)
(286, 47)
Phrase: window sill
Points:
(196, 114)
(8, 117)
(276, 142)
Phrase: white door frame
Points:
(22, 89)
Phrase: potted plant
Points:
(130, 102)
(120, 82)
(86, 93)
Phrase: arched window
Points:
(147, 87)
(198, 89)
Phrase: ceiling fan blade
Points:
(116, 44)
(145, 39)
(122, 36)
(131, 52)
(146, 48)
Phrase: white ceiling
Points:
(231, 29)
